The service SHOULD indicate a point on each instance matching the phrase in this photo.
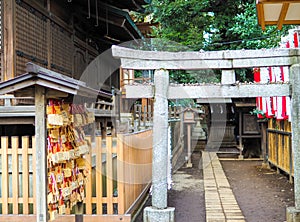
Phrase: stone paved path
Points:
(220, 202)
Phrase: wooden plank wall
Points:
(120, 172)
(137, 161)
(279, 145)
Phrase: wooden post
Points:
(189, 144)
(41, 157)
(15, 174)
(264, 141)
(120, 174)
(49, 37)
(240, 134)
(79, 212)
(139, 115)
(144, 116)
(9, 40)
(25, 173)
(4, 159)
(149, 114)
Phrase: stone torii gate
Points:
(227, 61)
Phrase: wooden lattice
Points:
(1, 23)
(62, 50)
(44, 41)
(31, 37)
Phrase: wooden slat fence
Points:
(279, 145)
(17, 175)
(120, 172)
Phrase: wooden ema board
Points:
(68, 168)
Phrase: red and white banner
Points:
(278, 107)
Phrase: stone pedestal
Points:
(292, 214)
(152, 214)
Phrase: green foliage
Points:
(250, 33)
(212, 24)
(181, 20)
(259, 112)
(208, 25)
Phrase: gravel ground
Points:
(262, 194)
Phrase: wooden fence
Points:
(279, 145)
(120, 173)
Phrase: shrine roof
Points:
(57, 83)
(277, 12)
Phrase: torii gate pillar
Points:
(293, 213)
(159, 211)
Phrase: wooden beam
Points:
(17, 111)
(261, 15)
(212, 91)
(16, 120)
(9, 40)
(284, 9)
(276, 1)
(16, 87)
(286, 22)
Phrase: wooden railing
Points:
(279, 145)
(120, 172)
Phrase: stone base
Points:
(265, 165)
(156, 215)
(292, 214)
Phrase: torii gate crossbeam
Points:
(227, 61)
